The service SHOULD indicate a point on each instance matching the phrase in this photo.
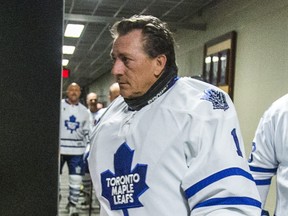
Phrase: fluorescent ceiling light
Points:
(73, 30)
(68, 49)
(65, 62)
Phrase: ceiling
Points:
(91, 57)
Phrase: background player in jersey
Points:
(74, 134)
(94, 111)
(269, 154)
(169, 146)
(94, 115)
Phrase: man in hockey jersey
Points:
(74, 134)
(269, 154)
(94, 111)
(169, 146)
(94, 115)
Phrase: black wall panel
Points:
(30, 73)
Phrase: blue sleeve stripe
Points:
(66, 146)
(71, 139)
(229, 201)
(263, 182)
(191, 191)
(266, 170)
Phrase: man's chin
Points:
(129, 94)
(130, 97)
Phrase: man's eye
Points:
(125, 60)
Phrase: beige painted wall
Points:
(261, 59)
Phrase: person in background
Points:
(74, 137)
(269, 158)
(100, 105)
(94, 115)
(94, 110)
(170, 145)
(114, 91)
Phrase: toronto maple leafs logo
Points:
(217, 98)
(72, 124)
(124, 188)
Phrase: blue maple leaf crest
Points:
(217, 99)
(124, 188)
(72, 124)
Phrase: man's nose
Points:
(118, 67)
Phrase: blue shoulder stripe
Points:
(229, 201)
(266, 170)
(191, 191)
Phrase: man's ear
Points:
(160, 64)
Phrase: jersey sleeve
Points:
(263, 161)
(218, 181)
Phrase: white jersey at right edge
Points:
(269, 156)
(181, 155)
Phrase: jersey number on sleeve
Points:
(236, 141)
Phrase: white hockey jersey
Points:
(269, 156)
(94, 117)
(74, 128)
(180, 155)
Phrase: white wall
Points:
(261, 57)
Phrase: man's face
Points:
(91, 100)
(73, 93)
(134, 70)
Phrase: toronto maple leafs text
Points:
(123, 188)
